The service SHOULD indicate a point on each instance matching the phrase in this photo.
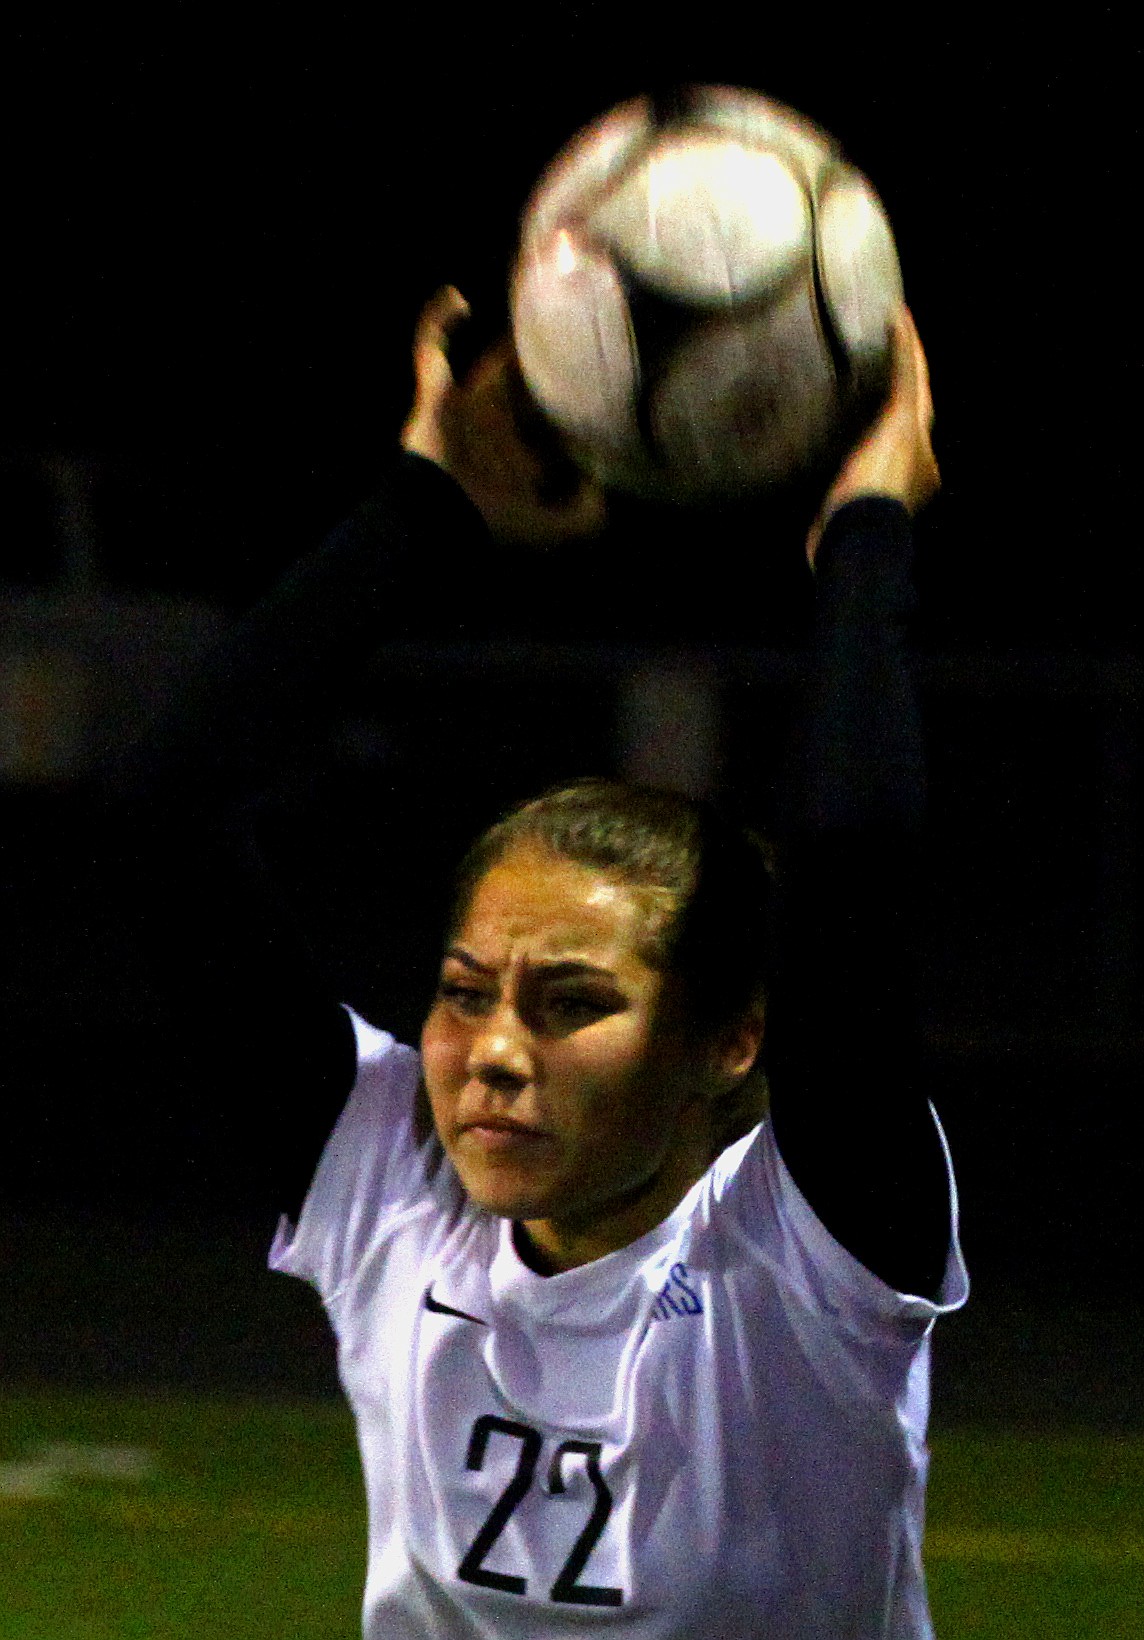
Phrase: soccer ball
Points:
(702, 294)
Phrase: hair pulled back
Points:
(706, 882)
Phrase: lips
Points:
(499, 1133)
(501, 1124)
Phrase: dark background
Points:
(219, 224)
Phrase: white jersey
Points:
(718, 1431)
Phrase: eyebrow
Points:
(566, 969)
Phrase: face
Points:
(559, 1076)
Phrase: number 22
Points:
(566, 1588)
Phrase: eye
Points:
(573, 1009)
(464, 996)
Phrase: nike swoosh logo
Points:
(438, 1308)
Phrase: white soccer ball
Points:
(702, 294)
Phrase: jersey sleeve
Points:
(823, 1277)
(371, 1168)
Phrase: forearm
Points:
(254, 1018)
(850, 1113)
(862, 757)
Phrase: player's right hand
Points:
(483, 431)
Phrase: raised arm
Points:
(243, 984)
(850, 1113)
(250, 1015)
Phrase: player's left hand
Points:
(894, 457)
(484, 431)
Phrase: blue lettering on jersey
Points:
(677, 1296)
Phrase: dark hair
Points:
(708, 882)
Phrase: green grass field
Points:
(133, 1519)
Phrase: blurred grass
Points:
(1036, 1536)
(251, 1526)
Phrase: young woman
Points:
(630, 1349)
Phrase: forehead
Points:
(552, 907)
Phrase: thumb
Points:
(441, 315)
(440, 318)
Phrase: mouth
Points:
(500, 1134)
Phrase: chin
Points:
(505, 1196)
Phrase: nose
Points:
(501, 1052)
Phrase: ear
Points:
(736, 1047)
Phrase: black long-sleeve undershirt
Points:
(178, 809)
(850, 1116)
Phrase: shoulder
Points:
(753, 1196)
(381, 1111)
(375, 1163)
(379, 1054)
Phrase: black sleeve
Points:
(850, 1112)
(177, 807)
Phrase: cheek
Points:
(444, 1057)
(614, 1081)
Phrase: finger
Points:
(930, 473)
(445, 310)
(903, 356)
(918, 364)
